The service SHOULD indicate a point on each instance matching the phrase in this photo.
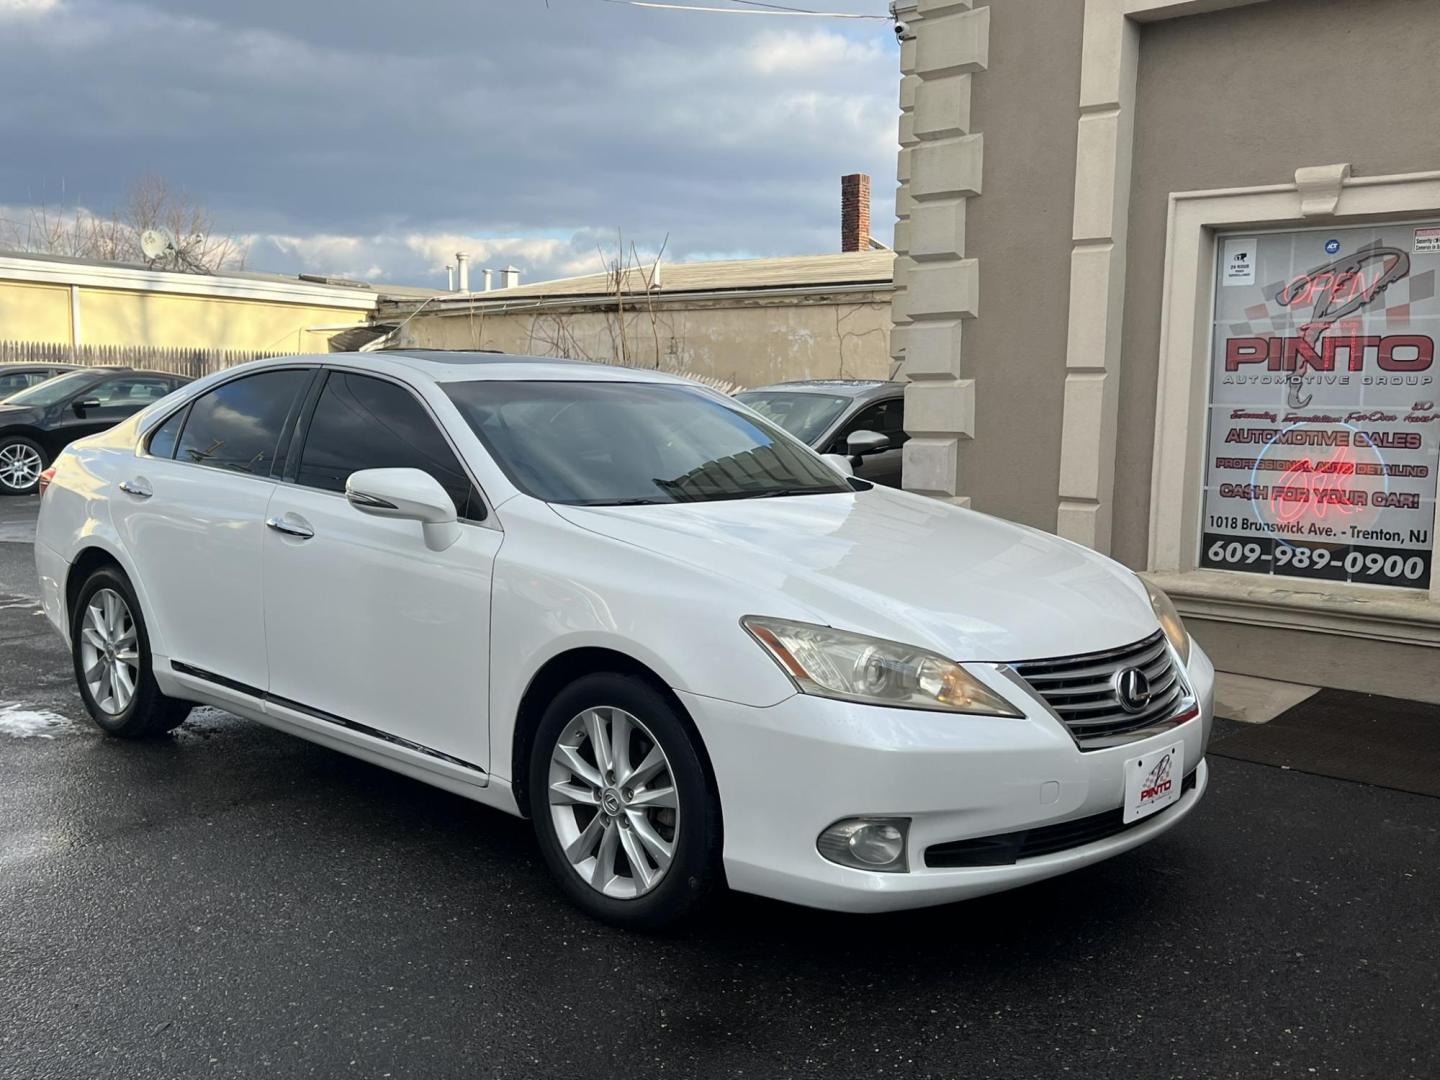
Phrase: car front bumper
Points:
(787, 772)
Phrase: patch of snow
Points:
(20, 722)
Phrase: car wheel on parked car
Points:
(22, 461)
(112, 661)
(627, 818)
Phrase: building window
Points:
(1323, 428)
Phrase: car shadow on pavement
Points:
(453, 843)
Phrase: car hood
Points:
(898, 566)
(19, 414)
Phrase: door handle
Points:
(139, 488)
(291, 525)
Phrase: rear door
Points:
(192, 515)
(365, 625)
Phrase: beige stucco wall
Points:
(34, 312)
(1245, 97)
(124, 318)
(747, 343)
(31, 311)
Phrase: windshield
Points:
(601, 443)
(806, 416)
(52, 390)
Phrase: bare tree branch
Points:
(150, 203)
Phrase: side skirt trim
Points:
(320, 714)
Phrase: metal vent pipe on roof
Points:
(509, 277)
(462, 262)
(485, 280)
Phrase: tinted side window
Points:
(867, 419)
(162, 440)
(892, 422)
(885, 417)
(12, 382)
(238, 425)
(365, 423)
(135, 390)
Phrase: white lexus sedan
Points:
(689, 648)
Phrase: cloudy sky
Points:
(374, 140)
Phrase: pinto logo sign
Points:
(1152, 781)
(1158, 782)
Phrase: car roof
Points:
(444, 365)
(109, 369)
(852, 388)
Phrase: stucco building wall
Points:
(72, 302)
(1286, 84)
(1103, 124)
(747, 343)
(1020, 231)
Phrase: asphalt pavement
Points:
(232, 902)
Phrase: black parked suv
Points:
(37, 423)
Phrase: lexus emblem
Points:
(1132, 687)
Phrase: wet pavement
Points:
(232, 902)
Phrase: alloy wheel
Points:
(613, 802)
(20, 466)
(109, 651)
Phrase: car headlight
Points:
(1170, 622)
(852, 667)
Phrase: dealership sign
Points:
(1324, 432)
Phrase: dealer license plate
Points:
(1152, 781)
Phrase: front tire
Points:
(22, 461)
(626, 816)
(111, 653)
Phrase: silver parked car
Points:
(862, 418)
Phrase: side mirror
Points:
(840, 463)
(861, 443)
(80, 407)
(410, 495)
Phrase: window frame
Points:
(300, 432)
(1197, 223)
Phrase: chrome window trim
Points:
(142, 441)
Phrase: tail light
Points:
(45, 478)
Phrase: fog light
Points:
(867, 843)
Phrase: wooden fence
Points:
(192, 362)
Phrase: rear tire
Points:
(111, 653)
(631, 833)
(22, 461)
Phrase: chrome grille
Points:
(1081, 690)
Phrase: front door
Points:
(365, 626)
(192, 516)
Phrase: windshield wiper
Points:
(775, 493)
(620, 502)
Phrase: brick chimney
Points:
(855, 212)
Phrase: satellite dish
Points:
(156, 243)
